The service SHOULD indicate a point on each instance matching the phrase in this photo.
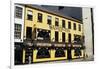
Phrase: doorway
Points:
(69, 54)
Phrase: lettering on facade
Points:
(43, 44)
(52, 27)
(49, 44)
(59, 45)
(76, 45)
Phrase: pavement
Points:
(74, 60)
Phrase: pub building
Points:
(49, 36)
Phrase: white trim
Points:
(20, 21)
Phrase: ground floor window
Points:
(77, 52)
(59, 52)
(77, 38)
(43, 53)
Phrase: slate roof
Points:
(39, 7)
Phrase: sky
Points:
(75, 12)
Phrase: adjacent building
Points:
(89, 41)
(18, 30)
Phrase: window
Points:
(74, 26)
(29, 15)
(56, 22)
(18, 12)
(17, 32)
(56, 36)
(49, 18)
(63, 37)
(29, 32)
(63, 23)
(77, 38)
(79, 27)
(59, 53)
(43, 34)
(77, 52)
(39, 17)
(69, 37)
(43, 53)
(69, 25)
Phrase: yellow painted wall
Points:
(23, 59)
(52, 56)
(35, 24)
(39, 60)
(61, 58)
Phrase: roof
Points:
(38, 7)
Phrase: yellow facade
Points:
(23, 59)
(52, 57)
(35, 24)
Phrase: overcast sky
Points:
(75, 12)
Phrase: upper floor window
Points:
(63, 23)
(56, 36)
(29, 15)
(43, 34)
(79, 27)
(56, 22)
(18, 12)
(74, 26)
(69, 25)
(77, 38)
(39, 17)
(63, 37)
(49, 18)
(17, 31)
(69, 37)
